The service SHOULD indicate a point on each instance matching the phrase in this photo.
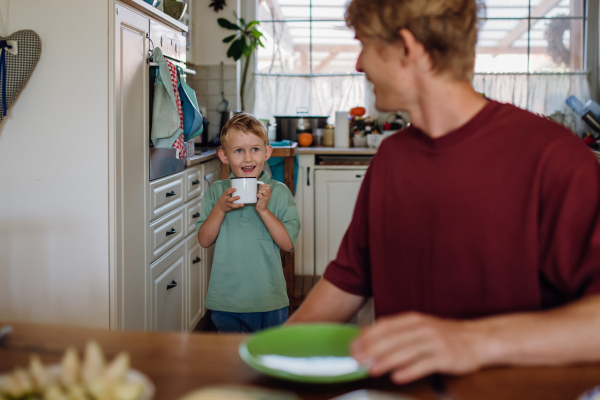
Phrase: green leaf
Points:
(227, 25)
(236, 50)
(261, 44)
(247, 51)
(229, 38)
(242, 22)
(256, 33)
(251, 24)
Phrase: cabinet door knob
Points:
(172, 285)
(196, 215)
(171, 232)
(171, 193)
(196, 261)
(196, 182)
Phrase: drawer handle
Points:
(172, 285)
(196, 182)
(196, 261)
(171, 193)
(196, 215)
(171, 232)
(359, 176)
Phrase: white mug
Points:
(246, 189)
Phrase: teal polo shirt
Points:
(247, 275)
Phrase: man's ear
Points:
(413, 49)
(269, 152)
(222, 156)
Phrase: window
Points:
(532, 52)
(308, 61)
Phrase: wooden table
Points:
(179, 363)
(288, 153)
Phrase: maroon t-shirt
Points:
(500, 215)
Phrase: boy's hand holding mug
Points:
(226, 201)
(263, 195)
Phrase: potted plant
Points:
(244, 42)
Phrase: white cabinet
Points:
(196, 275)
(169, 290)
(166, 232)
(336, 192)
(129, 156)
(193, 208)
(304, 251)
(212, 173)
(193, 180)
(167, 194)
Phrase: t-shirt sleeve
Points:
(351, 269)
(287, 213)
(570, 224)
(208, 202)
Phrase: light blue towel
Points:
(166, 125)
(276, 164)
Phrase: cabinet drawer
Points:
(195, 282)
(166, 194)
(166, 232)
(192, 213)
(212, 173)
(168, 289)
(193, 180)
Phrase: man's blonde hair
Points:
(246, 123)
(446, 28)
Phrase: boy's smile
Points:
(246, 154)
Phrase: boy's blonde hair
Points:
(446, 28)
(246, 123)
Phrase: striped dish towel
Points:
(179, 144)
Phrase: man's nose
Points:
(359, 63)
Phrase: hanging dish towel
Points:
(178, 144)
(166, 119)
(192, 120)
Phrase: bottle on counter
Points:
(328, 136)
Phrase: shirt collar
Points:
(263, 175)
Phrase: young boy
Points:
(246, 292)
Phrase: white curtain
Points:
(542, 94)
(322, 95)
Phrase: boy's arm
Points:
(284, 226)
(209, 230)
(277, 230)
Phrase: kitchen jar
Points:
(328, 136)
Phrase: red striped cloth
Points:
(179, 144)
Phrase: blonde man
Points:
(247, 291)
(477, 229)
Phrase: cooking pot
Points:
(290, 126)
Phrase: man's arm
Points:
(327, 303)
(413, 345)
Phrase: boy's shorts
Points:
(248, 322)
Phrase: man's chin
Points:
(383, 106)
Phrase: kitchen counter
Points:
(206, 155)
(337, 150)
(178, 363)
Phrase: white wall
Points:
(207, 35)
(53, 170)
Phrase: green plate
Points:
(293, 348)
